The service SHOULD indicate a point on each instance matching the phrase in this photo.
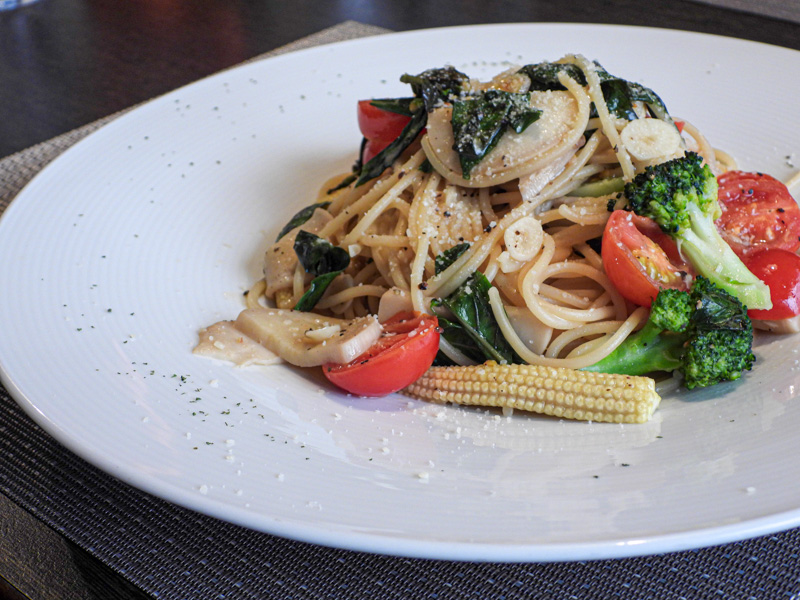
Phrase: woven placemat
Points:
(173, 553)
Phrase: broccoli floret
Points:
(704, 334)
(721, 347)
(681, 196)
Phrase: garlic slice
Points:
(523, 238)
(647, 139)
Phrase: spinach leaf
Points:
(544, 76)
(317, 255)
(384, 159)
(470, 306)
(315, 290)
(449, 256)
(654, 102)
(401, 106)
(618, 99)
(323, 260)
(436, 85)
(480, 121)
(350, 178)
(460, 339)
(300, 218)
(618, 93)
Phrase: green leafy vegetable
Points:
(300, 218)
(471, 308)
(461, 340)
(401, 106)
(600, 187)
(323, 260)
(544, 76)
(449, 256)
(317, 255)
(618, 93)
(384, 159)
(435, 86)
(350, 178)
(315, 290)
(479, 122)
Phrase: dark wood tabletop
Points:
(67, 63)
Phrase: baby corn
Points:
(560, 392)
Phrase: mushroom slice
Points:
(790, 325)
(303, 339)
(280, 260)
(533, 333)
(534, 182)
(393, 301)
(558, 129)
(224, 342)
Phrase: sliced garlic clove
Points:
(508, 264)
(646, 139)
(523, 238)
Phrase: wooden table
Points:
(66, 63)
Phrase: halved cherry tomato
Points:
(780, 270)
(758, 212)
(640, 259)
(378, 124)
(372, 148)
(401, 355)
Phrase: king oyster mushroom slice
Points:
(224, 342)
(280, 259)
(534, 182)
(307, 339)
(553, 135)
(790, 325)
(533, 333)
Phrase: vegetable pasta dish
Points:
(550, 240)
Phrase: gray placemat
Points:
(788, 10)
(175, 554)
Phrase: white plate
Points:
(152, 227)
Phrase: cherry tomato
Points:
(780, 270)
(372, 148)
(378, 124)
(401, 355)
(640, 259)
(758, 212)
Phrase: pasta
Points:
(528, 226)
(484, 235)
